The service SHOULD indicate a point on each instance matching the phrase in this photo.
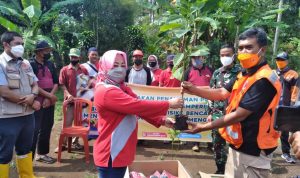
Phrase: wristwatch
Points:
(35, 94)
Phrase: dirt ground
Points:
(73, 164)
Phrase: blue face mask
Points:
(197, 62)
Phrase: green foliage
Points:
(159, 28)
(292, 46)
(134, 38)
(28, 17)
(58, 115)
(34, 3)
(174, 139)
(186, 23)
(108, 20)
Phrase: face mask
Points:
(74, 63)
(17, 51)
(281, 64)
(138, 62)
(152, 64)
(170, 64)
(248, 60)
(117, 74)
(226, 61)
(197, 62)
(47, 56)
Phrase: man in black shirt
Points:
(248, 123)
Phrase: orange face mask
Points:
(248, 60)
(281, 64)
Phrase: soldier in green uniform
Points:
(221, 77)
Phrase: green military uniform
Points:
(220, 78)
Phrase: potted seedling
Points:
(174, 140)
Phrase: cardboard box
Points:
(149, 167)
(204, 175)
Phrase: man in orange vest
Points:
(248, 123)
(289, 80)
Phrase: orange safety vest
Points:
(267, 137)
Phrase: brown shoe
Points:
(63, 148)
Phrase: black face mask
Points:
(170, 64)
(152, 64)
(74, 63)
(138, 62)
(47, 56)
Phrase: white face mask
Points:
(226, 61)
(17, 51)
(117, 74)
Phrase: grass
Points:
(58, 114)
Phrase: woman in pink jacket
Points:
(117, 107)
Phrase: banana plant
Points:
(27, 17)
(185, 22)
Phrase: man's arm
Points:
(9, 95)
(66, 92)
(256, 99)
(48, 94)
(295, 91)
(68, 96)
(54, 89)
(35, 88)
(205, 91)
(237, 116)
(28, 99)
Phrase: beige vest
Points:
(20, 77)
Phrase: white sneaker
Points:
(45, 159)
(287, 157)
(196, 148)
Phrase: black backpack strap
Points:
(93, 67)
(34, 66)
(149, 79)
(52, 69)
(127, 74)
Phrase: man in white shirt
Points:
(93, 63)
(138, 73)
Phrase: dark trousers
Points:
(111, 172)
(285, 145)
(220, 149)
(44, 120)
(15, 132)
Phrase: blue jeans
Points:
(111, 172)
(15, 132)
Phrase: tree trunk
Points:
(151, 14)
(97, 26)
(236, 40)
(277, 29)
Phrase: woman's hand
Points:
(169, 122)
(175, 103)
